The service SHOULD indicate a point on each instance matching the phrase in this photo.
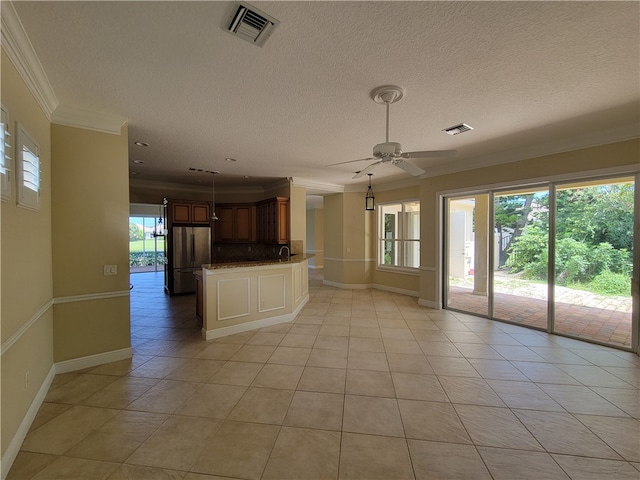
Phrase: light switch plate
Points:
(110, 269)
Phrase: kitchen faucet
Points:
(288, 252)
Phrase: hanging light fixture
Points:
(214, 217)
(369, 203)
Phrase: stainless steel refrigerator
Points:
(191, 249)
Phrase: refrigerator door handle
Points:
(193, 248)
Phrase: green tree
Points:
(594, 239)
(596, 215)
(510, 215)
(135, 232)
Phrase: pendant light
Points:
(369, 199)
(214, 217)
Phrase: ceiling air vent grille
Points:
(456, 129)
(250, 24)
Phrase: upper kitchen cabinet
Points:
(273, 220)
(236, 223)
(189, 213)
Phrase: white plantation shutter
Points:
(28, 170)
(6, 162)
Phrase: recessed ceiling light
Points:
(230, 159)
(139, 162)
(141, 144)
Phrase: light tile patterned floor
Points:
(364, 384)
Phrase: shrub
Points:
(611, 283)
(145, 259)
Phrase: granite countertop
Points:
(296, 258)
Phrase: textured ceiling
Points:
(528, 76)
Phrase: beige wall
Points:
(55, 302)
(346, 240)
(315, 237)
(298, 214)
(90, 230)
(574, 164)
(25, 269)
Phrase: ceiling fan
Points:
(391, 152)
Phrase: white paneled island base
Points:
(245, 296)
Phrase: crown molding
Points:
(18, 47)
(578, 142)
(99, 122)
(315, 187)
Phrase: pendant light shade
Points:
(369, 200)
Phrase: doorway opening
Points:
(146, 244)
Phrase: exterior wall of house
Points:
(26, 300)
(605, 159)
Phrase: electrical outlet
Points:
(249, 249)
(110, 269)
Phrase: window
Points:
(28, 170)
(399, 235)
(6, 161)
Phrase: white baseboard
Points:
(348, 286)
(93, 360)
(61, 367)
(430, 304)
(245, 327)
(402, 291)
(16, 442)
(364, 286)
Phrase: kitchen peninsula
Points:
(242, 296)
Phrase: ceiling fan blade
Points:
(431, 154)
(350, 161)
(363, 172)
(409, 168)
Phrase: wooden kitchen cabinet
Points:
(191, 213)
(273, 220)
(236, 224)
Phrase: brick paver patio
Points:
(577, 313)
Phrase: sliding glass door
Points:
(559, 257)
(146, 244)
(594, 239)
(520, 284)
(467, 254)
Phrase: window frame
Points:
(401, 237)
(27, 197)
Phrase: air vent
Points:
(250, 24)
(456, 129)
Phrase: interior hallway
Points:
(363, 384)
